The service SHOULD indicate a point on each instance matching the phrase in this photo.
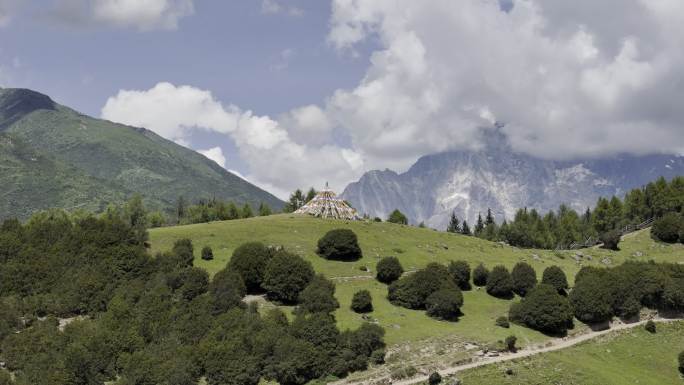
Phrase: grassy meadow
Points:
(415, 247)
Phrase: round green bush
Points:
(318, 296)
(183, 250)
(444, 303)
(543, 309)
(250, 260)
(397, 217)
(226, 290)
(340, 245)
(591, 299)
(510, 343)
(412, 290)
(362, 302)
(667, 228)
(388, 270)
(524, 278)
(286, 275)
(480, 274)
(650, 326)
(499, 282)
(554, 276)
(503, 322)
(207, 253)
(611, 239)
(434, 379)
(460, 271)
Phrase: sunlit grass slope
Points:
(628, 357)
(415, 247)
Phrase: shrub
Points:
(339, 244)
(318, 296)
(503, 322)
(543, 309)
(389, 270)
(591, 299)
(460, 271)
(183, 250)
(286, 275)
(524, 278)
(378, 356)
(499, 282)
(480, 274)
(195, 282)
(650, 326)
(250, 260)
(226, 290)
(510, 343)
(554, 276)
(434, 379)
(362, 302)
(377, 219)
(397, 217)
(207, 253)
(611, 239)
(401, 373)
(667, 228)
(681, 361)
(444, 303)
(412, 290)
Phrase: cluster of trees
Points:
(298, 199)
(561, 228)
(669, 228)
(208, 210)
(153, 320)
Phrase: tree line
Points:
(561, 228)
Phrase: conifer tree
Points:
(247, 211)
(311, 194)
(490, 217)
(479, 226)
(264, 210)
(465, 229)
(454, 226)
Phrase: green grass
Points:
(628, 357)
(415, 247)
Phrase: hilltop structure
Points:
(326, 204)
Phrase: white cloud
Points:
(144, 15)
(276, 6)
(215, 154)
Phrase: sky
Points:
(296, 93)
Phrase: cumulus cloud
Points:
(276, 161)
(215, 154)
(276, 6)
(144, 15)
(565, 82)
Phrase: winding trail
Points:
(553, 345)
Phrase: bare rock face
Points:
(496, 177)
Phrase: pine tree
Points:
(247, 211)
(453, 226)
(465, 229)
(180, 208)
(233, 212)
(490, 218)
(479, 226)
(264, 210)
(296, 201)
(311, 194)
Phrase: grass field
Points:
(415, 247)
(628, 357)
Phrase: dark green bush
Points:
(434, 379)
(340, 245)
(650, 326)
(397, 217)
(207, 253)
(591, 299)
(610, 239)
(510, 343)
(195, 282)
(183, 250)
(480, 274)
(543, 309)
(378, 356)
(445, 303)
(286, 275)
(250, 260)
(412, 290)
(226, 290)
(554, 276)
(524, 278)
(667, 228)
(389, 269)
(362, 302)
(503, 322)
(460, 271)
(680, 359)
(318, 296)
(499, 282)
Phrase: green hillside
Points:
(415, 247)
(627, 357)
(52, 156)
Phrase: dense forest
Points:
(565, 227)
(83, 302)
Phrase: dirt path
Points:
(556, 344)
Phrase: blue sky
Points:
(296, 93)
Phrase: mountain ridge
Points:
(97, 162)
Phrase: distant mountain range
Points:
(52, 156)
(496, 177)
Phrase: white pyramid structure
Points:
(326, 204)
